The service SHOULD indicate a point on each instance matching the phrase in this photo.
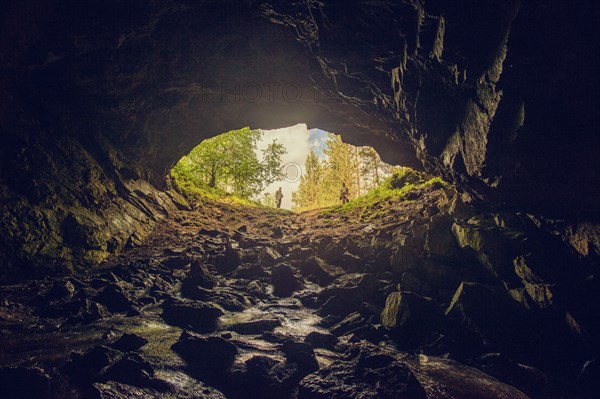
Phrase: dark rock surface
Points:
(99, 101)
(477, 317)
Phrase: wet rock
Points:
(212, 355)
(200, 275)
(256, 326)
(471, 306)
(331, 250)
(411, 318)
(198, 279)
(302, 354)
(440, 241)
(308, 298)
(176, 262)
(115, 299)
(271, 377)
(540, 290)
(88, 367)
(379, 378)
(229, 300)
(352, 263)
(349, 324)
(129, 343)
(284, 280)
(251, 272)
(340, 304)
(209, 232)
(89, 312)
(531, 381)
(198, 316)
(347, 292)
(410, 281)
(160, 288)
(277, 232)
(61, 290)
(117, 390)
(320, 271)
(256, 289)
(134, 370)
(24, 383)
(229, 260)
(489, 245)
(321, 340)
(299, 252)
(269, 256)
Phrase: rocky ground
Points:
(421, 298)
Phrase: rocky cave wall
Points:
(99, 99)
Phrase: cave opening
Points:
(470, 271)
(293, 168)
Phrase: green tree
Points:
(307, 196)
(228, 163)
(339, 168)
(320, 186)
(373, 170)
(267, 199)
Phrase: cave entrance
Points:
(293, 168)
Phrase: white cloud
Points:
(296, 140)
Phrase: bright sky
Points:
(298, 141)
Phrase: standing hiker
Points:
(344, 194)
(278, 197)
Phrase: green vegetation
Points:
(228, 166)
(398, 187)
(360, 168)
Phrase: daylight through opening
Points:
(293, 168)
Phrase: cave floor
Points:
(225, 301)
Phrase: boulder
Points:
(272, 378)
(486, 241)
(117, 390)
(403, 255)
(440, 242)
(200, 275)
(61, 290)
(388, 379)
(250, 271)
(321, 271)
(228, 260)
(269, 256)
(539, 290)
(88, 367)
(176, 262)
(198, 316)
(115, 299)
(491, 313)
(210, 355)
(321, 340)
(411, 318)
(527, 379)
(256, 326)
(284, 280)
(302, 354)
(277, 232)
(132, 369)
(129, 343)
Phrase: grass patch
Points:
(200, 195)
(398, 187)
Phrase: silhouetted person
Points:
(344, 194)
(278, 197)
